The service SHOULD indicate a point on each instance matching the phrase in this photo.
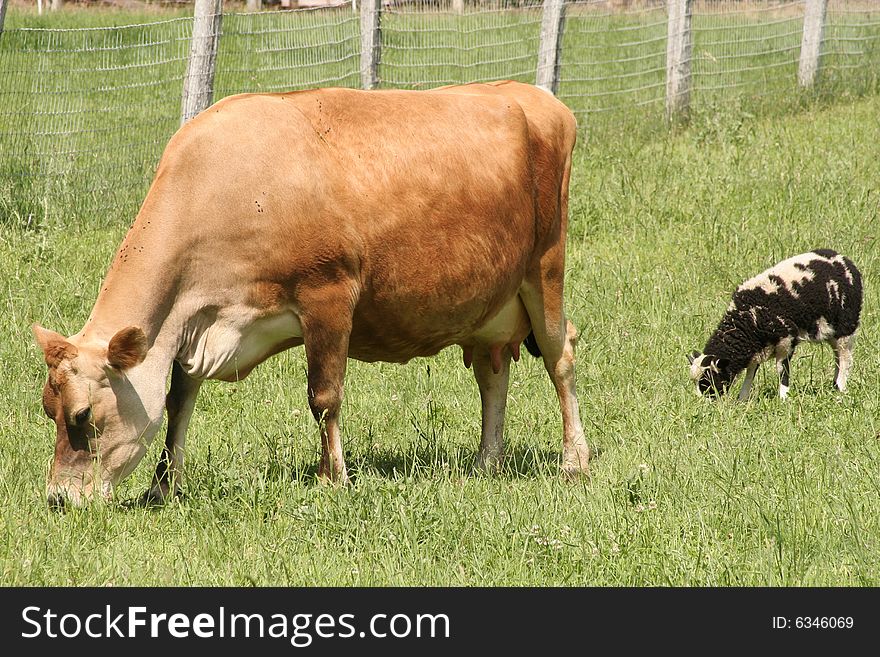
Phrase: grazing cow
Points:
(813, 297)
(380, 225)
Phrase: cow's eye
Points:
(82, 417)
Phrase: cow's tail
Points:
(532, 345)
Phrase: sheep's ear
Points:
(722, 363)
(692, 357)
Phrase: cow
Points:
(378, 225)
(810, 297)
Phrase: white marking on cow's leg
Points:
(179, 403)
(326, 342)
(843, 348)
(493, 396)
(747, 382)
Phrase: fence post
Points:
(254, 5)
(679, 41)
(811, 44)
(371, 43)
(458, 6)
(550, 50)
(55, 5)
(198, 85)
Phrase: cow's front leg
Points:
(492, 371)
(179, 403)
(326, 343)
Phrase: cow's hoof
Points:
(574, 472)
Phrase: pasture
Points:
(663, 226)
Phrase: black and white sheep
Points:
(811, 297)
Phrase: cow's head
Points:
(102, 426)
(711, 374)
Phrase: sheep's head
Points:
(712, 375)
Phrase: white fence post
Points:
(198, 85)
(550, 50)
(371, 43)
(254, 5)
(679, 42)
(811, 44)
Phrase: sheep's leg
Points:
(747, 382)
(784, 350)
(842, 359)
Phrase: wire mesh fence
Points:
(84, 114)
(86, 107)
(288, 50)
(428, 44)
(613, 56)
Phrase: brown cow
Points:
(376, 225)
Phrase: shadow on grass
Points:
(425, 462)
(435, 462)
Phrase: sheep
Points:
(811, 297)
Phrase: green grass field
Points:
(664, 225)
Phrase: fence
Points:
(86, 111)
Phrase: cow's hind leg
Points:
(556, 338)
(325, 336)
(492, 372)
(179, 403)
(843, 350)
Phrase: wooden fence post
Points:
(550, 50)
(458, 6)
(198, 85)
(679, 42)
(811, 44)
(254, 5)
(371, 43)
(2, 14)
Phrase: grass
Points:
(683, 492)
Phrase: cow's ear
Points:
(54, 345)
(127, 348)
